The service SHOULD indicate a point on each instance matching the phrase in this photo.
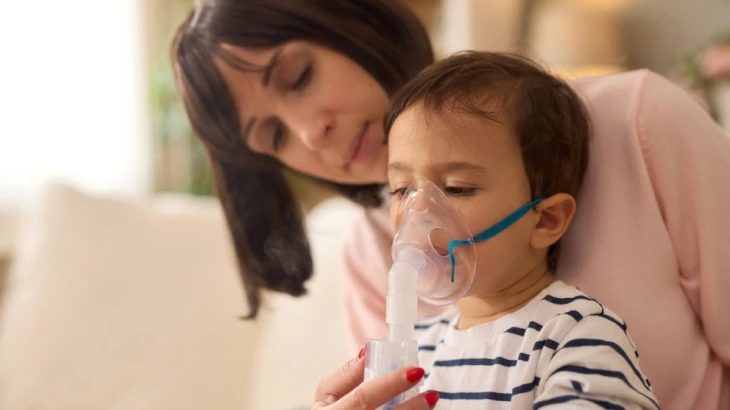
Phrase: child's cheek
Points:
(501, 260)
(490, 271)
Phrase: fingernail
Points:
(362, 353)
(415, 375)
(432, 398)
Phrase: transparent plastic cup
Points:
(384, 356)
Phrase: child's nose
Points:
(420, 202)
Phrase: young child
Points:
(495, 132)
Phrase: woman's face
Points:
(315, 110)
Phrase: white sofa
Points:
(134, 304)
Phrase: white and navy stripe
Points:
(562, 350)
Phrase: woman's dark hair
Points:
(264, 217)
(549, 119)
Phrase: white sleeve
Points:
(595, 366)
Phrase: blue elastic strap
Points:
(491, 232)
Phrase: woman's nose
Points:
(315, 132)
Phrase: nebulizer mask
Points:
(434, 259)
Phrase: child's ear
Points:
(554, 217)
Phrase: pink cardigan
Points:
(651, 239)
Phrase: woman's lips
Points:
(359, 148)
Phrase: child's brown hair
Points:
(545, 114)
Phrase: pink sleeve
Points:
(367, 259)
(688, 160)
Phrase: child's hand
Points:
(345, 390)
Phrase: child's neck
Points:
(477, 309)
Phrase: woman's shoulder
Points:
(370, 222)
(613, 87)
(617, 102)
(611, 99)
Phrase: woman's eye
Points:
(397, 193)
(277, 140)
(459, 191)
(303, 79)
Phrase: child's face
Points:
(478, 164)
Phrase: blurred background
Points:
(88, 94)
(112, 249)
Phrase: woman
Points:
(269, 84)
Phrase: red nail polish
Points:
(362, 353)
(432, 398)
(415, 375)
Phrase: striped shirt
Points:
(562, 350)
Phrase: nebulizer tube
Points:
(423, 269)
(401, 303)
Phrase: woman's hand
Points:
(345, 390)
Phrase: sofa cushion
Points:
(121, 304)
(9, 221)
(115, 304)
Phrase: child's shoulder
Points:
(562, 299)
(563, 307)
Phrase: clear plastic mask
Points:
(427, 224)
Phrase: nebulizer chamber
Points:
(427, 223)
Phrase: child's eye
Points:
(459, 191)
(397, 193)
